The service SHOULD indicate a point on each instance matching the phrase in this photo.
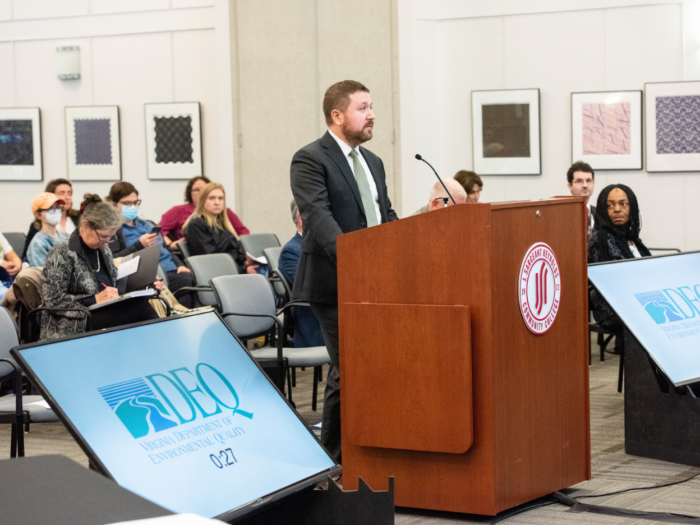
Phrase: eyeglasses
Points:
(131, 203)
(102, 239)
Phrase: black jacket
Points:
(329, 201)
(203, 239)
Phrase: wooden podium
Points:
(444, 386)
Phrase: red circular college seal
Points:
(539, 288)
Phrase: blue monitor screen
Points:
(659, 301)
(177, 412)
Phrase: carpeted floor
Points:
(613, 470)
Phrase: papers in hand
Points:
(261, 259)
(131, 295)
(126, 268)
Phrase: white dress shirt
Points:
(346, 149)
(590, 215)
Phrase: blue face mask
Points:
(130, 212)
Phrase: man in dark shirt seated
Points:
(307, 330)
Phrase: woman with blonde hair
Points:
(209, 230)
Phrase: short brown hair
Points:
(190, 183)
(119, 190)
(468, 179)
(338, 97)
(55, 183)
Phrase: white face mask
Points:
(53, 216)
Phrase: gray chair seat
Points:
(307, 357)
(37, 413)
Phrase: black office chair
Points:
(604, 337)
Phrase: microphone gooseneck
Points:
(438, 177)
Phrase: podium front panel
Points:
(402, 355)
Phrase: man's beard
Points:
(360, 136)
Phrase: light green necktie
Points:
(365, 192)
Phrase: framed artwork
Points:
(672, 126)
(506, 132)
(92, 142)
(606, 129)
(20, 145)
(173, 140)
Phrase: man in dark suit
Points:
(581, 182)
(307, 331)
(339, 187)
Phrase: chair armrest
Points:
(297, 302)
(278, 327)
(17, 369)
(191, 289)
(32, 314)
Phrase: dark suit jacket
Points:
(329, 201)
(307, 330)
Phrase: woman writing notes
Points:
(79, 273)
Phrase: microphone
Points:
(438, 177)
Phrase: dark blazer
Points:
(307, 330)
(289, 258)
(329, 201)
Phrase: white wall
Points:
(132, 52)
(449, 48)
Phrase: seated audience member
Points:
(135, 234)
(471, 183)
(63, 189)
(209, 230)
(616, 237)
(439, 198)
(47, 208)
(581, 182)
(174, 219)
(307, 330)
(79, 272)
(9, 260)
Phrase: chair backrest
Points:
(16, 240)
(161, 273)
(245, 294)
(8, 337)
(184, 249)
(205, 268)
(255, 243)
(273, 258)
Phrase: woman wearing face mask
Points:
(47, 208)
(135, 234)
(63, 189)
(79, 272)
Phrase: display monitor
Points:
(658, 298)
(177, 411)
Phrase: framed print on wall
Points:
(672, 126)
(506, 132)
(173, 140)
(92, 142)
(606, 129)
(20, 145)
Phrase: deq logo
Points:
(661, 306)
(539, 288)
(181, 398)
